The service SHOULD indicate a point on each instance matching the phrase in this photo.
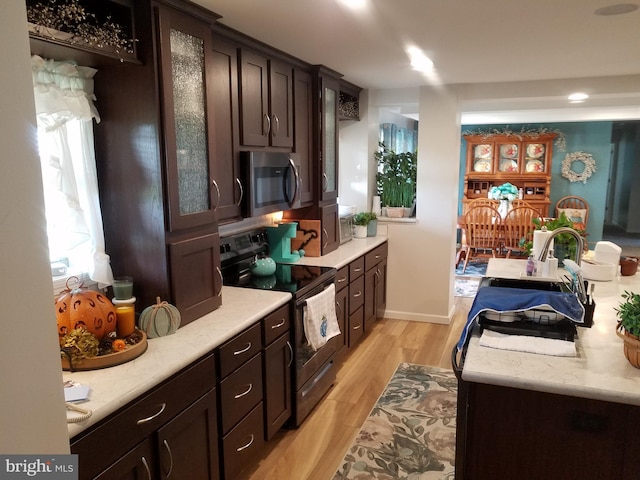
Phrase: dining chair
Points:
(576, 209)
(481, 201)
(518, 229)
(482, 224)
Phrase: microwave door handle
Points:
(297, 182)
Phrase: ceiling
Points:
(536, 46)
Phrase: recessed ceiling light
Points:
(619, 9)
(354, 4)
(578, 97)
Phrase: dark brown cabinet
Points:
(277, 370)
(303, 133)
(326, 111)
(170, 430)
(330, 228)
(224, 94)
(342, 309)
(537, 435)
(156, 161)
(356, 301)
(375, 285)
(266, 101)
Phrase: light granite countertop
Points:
(600, 370)
(114, 387)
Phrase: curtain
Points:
(398, 139)
(65, 110)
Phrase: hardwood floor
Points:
(314, 451)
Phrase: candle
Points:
(125, 319)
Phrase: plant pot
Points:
(395, 212)
(628, 266)
(631, 346)
(372, 228)
(360, 231)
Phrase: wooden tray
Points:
(110, 360)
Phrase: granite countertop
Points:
(600, 370)
(114, 387)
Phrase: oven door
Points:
(271, 182)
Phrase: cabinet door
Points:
(281, 104)
(185, 53)
(196, 280)
(303, 138)
(278, 358)
(381, 288)
(356, 326)
(224, 96)
(330, 236)
(135, 465)
(342, 313)
(254, 99)
(188, 444)
(369, 298)
(329, 138)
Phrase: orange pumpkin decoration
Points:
(81, 307)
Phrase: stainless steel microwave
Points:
(271, 182)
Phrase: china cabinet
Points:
(524, 161)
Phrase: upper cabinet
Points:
(266, 101)
(522, 160)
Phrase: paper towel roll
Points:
(539, 239)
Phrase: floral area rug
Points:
(410, 433)
(474, 269)
(466, 287)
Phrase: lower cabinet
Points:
(342, 310)
(169, 432)
(375, 297)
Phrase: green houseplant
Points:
(564, 244)
(629, 326)
(396, 177)
(361, 221)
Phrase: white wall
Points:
(32, 412)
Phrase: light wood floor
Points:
(315, 450)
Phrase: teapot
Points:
(262, 267)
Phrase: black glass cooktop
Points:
(287, 278)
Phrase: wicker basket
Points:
(395, 212)
(631, 345)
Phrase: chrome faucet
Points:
(559, 231)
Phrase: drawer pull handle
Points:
(357, 294)
(244, 447)
(279, 324)
(341, 280)
(357, 327)
(246, 349)
(166, 446)
(148, 419)
(246, 392)
(357, 269)
(378, 256)
(146, 468)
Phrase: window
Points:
(63, 94)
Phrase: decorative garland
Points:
(525, 132)
(586, 159)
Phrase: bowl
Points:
(628, 266)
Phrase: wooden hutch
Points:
(522, 160)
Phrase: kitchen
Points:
(435, 131)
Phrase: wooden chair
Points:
(482, 226)
(479, 202)
(518, 228)
(580, 209)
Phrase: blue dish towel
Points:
(501, 299)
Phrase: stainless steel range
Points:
(313, 372)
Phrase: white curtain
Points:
(65, 110)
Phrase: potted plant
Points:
(360, 222)
(629, 326)
(564, 245)
(372, 226)
(396, 179)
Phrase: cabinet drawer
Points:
(239, 349)
(240, 392)
(356, 294)
(375, 256)
(342, 278)
(142, 417)
(356, 268)
(242, 447)
(356, 326)
(276, 324)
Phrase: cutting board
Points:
(308, 233)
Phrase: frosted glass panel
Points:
(187, 64)
(330, 139)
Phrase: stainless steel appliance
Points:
(346, 227)
(271, 183)
(313, 372)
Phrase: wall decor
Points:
(573, 176)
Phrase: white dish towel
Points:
(320, 320)
(522, 343)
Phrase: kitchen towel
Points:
(521, 343)
(320, 320)
(502, 299)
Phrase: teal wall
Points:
(589, 137)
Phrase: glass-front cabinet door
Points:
(482, 161)
(185, 44)
(535, 157)
(329, 135)
(508, 157)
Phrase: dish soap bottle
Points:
(531, 266)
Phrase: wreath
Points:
(573, 176)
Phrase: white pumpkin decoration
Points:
(160, 319)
